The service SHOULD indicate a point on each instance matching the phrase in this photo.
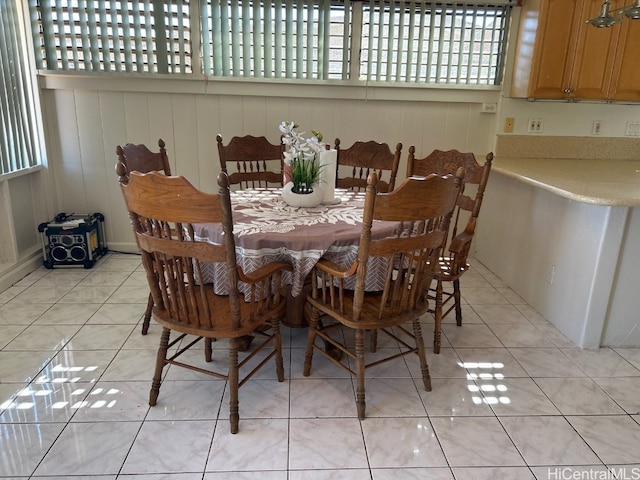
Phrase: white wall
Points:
(576, 264)
(622, 326)
(91, 119)
(560, 118)
(568, 118)
(24, 201)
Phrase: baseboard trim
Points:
(123, 247)
(12, 273)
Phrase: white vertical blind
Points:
(351, 41)
(19, 147)
(112, 35)
(457, 42)
(278, 39)
(394, 41)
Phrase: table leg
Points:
(244, 342)
(296, 315)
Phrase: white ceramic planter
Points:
(297, 200)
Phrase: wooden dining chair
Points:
(423, 208)
(251, 162)
(356, 162)
(163, 211)
(139, 158)
(454, 263)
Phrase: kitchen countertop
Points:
(593, 181)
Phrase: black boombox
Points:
(73, 240)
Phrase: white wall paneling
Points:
(21, 207)
(8, 246)
(67, 161)
(185, 138)
(92, 117)
(89, 118)
(207, 126)
(112, 105)
(90, 122)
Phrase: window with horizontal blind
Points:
(279, 39)
(19, 147)
(408, 41)
(132, 36)
(399, 41)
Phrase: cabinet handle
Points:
(567, 91)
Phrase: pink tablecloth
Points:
(267, 229)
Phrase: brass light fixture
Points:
(608, 17)
(632, 12)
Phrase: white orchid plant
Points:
(302, 156)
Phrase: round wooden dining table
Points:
(266, 229)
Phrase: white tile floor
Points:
(511, 399)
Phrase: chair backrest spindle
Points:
(139, 158)
(364, 158)
(423, 207)
(251, 162)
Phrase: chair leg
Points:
(147, 315)
(456, 298)
(373, 340)
(359, 369)
(234, 415)
(422, 356)
(311, 338)
(437, 333)
(208, 350)
(277, 340)
(160, 363)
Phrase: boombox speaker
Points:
(73, 240)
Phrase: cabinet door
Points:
(594, 56)
(559, 56)
(625, 84)
(554, 49)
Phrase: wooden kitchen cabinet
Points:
(625, 83)
(560, 57)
